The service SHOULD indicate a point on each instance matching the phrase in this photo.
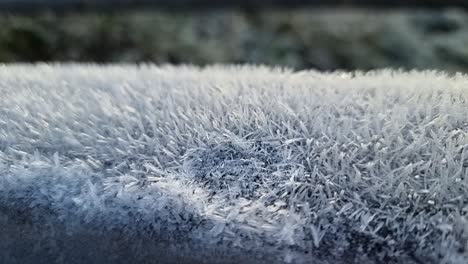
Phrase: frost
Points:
(247, 157)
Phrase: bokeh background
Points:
(324, 39)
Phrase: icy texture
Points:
(314, 166)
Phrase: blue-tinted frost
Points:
(329, 166)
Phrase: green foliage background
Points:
(322, 39)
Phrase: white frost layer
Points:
(337, 165)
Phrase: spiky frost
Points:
(328, 167)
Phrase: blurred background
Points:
(319, 38)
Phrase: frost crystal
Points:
(233, 164)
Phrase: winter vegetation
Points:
(326, 39)
(229, 164)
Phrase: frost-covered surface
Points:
(173, 164)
